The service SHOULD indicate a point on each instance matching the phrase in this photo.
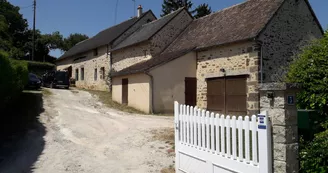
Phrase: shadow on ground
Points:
(21, 133)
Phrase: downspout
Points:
(261, 60)
(261, 66)
(151, 92)
(109, 54)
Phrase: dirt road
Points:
(82, 135)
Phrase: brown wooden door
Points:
(216, 95)
(125, 91)
(227, 95)
(236, 96)
(190, 91)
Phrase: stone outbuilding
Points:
(88, 62)
(219, 60)
(140, 77)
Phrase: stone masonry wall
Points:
(236, 59)
(90, 63)
(145, 19)
(292, 27)
(168, 33)
(129, 56)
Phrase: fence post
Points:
(176, 134)
(264, 138)
(280, 102)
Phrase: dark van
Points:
(56, 79)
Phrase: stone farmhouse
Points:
(218, 61)
(215, 62)
(88, 62)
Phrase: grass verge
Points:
(106, 98)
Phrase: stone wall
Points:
(90, 63)
(169, 32)
(129, 56)
(236, 59)
(292, 27)
(145, 19)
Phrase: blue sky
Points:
(91, 16)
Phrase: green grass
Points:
(106, 98)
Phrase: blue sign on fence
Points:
(262, 123)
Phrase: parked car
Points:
(56, 79)
(33, 81)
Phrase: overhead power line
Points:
(26, 7)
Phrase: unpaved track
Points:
(82, 135)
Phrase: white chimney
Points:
(139, 10)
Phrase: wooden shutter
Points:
(190, 91)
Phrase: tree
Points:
(202, 10)
(12, 28)
(173, 5)
(310, 69)
(72, 40)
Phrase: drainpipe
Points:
(261, 63)
(261, 60)
(151, 92)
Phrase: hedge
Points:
(39, 68)
(13, 78)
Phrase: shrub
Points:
(310, 69)
(314, 154)
(13, 78)
(39, 68)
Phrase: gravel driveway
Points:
(82, 135)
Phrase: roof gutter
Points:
(151, 92)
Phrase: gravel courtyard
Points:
(83, 135)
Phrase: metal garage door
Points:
(227, 95)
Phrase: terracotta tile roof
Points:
(147, 31)
(237, 23)
(104, 37)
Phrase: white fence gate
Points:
(209, 143)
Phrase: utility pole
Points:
(33, 37)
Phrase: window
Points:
(77, 74)
(95, 75)
(102, 73)
(82, 73)
(95, 52)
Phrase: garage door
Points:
(227, 95)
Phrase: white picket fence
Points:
(211, 143)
